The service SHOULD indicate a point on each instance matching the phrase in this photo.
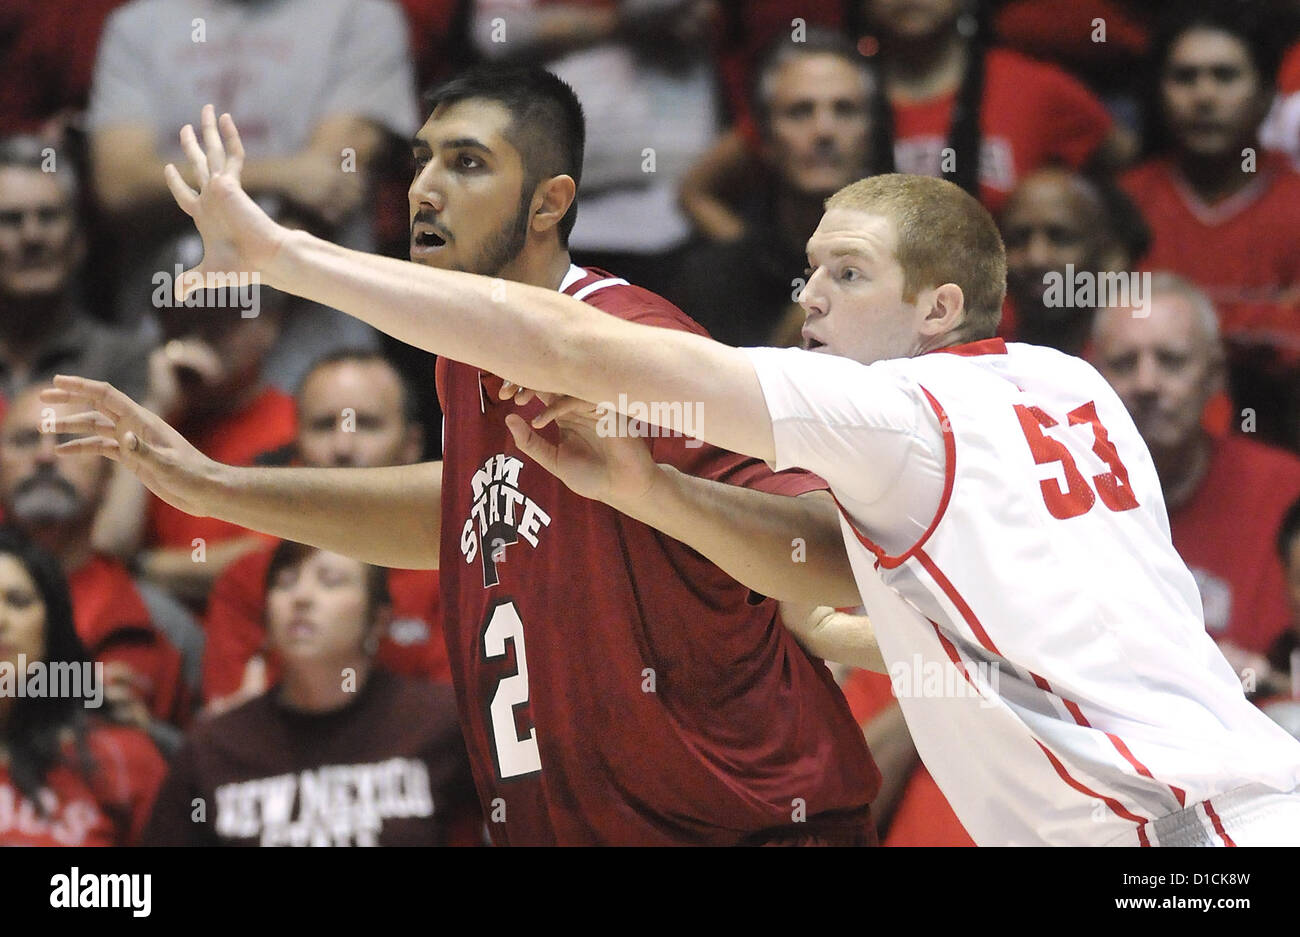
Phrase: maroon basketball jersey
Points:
(615, 687)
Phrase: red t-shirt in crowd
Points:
(108, 807)
(1032, 114)
(265, 424)
(1067, 31)
(1243, 251)
(923, 816)
(236, 631)
(1226, 535)
(1288, 76)
(114, 624)
(614, 686)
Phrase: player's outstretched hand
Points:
(591, 461)
(116, 427)
(238, 237)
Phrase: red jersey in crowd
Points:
(1226, 533)
(114, 624)
(235, 627)
(614, 686)
(1031, 114)
(265, 424)
(387, 768)
(1244, 251)
(107, 807)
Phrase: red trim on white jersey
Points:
(985, 346)
(1115, 806)
(977, 628)
(949, 475)
(1218, 824)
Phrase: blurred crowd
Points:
(1142, 158)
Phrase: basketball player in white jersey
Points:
(1002, 516)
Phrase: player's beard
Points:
(507, 242)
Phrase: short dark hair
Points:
(1255, 26)
(410, 407)
(1288, 531)
(546, 122)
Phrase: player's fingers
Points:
(90, 422)
(532, 444)
(212, 145)
(185, 197)
(101, 395)
(91, 445)
(234, 145)
(190, 146)
(565, 407)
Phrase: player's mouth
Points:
(810, 343)
(426, 239)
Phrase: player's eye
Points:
(465, 161)
(808, 272)
(849, 275)
(421, 159)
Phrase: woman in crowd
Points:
(67, 778)
(338, 752)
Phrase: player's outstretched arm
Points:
(537, 337)
(783, 546)
(387, 516)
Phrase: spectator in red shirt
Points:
(65, 778)
(1222, 211)
(1057, 225)
(354, 409)
(54, 501)
(1225, 496)
(340, 752)
(946, 106)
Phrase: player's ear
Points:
(947, 306)
(551, 201)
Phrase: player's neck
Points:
(1182, 469)
(544, 268)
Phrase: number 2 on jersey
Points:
(1077, 497)
(515, 756)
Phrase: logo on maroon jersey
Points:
(499, 516)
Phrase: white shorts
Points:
(1253, 815)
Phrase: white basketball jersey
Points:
(1044, 638)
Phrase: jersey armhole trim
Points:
(949, 474)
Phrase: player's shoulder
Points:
(617, 296)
